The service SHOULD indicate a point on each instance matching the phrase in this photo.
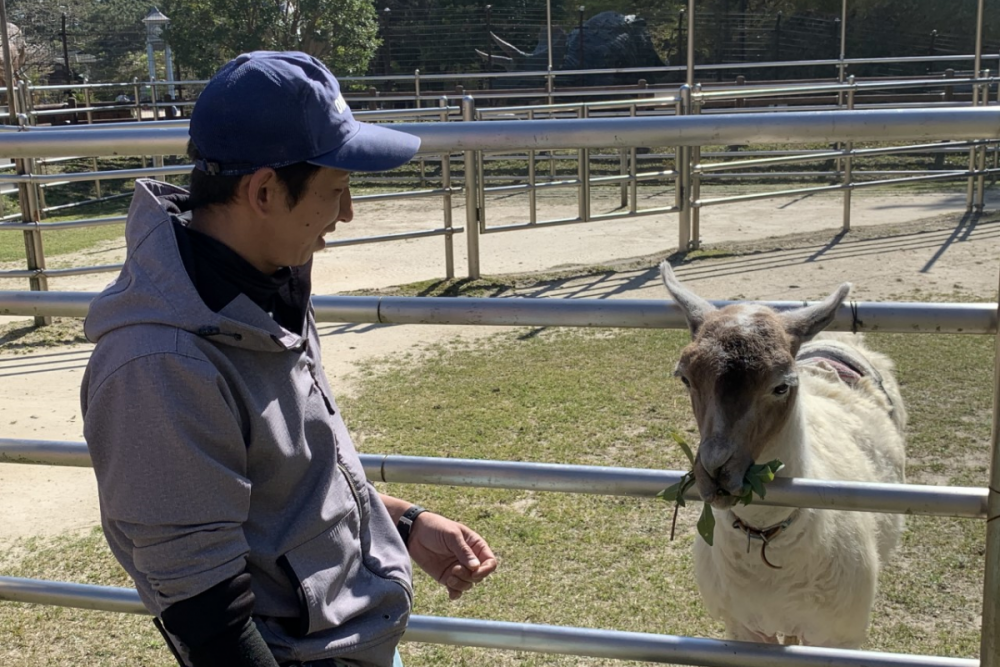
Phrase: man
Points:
(230, 490)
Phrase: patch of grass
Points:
(21, 338)
(599, 398)
(68, 241)
(57, 636)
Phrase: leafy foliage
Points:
(206, 33)
(753, 482)
(110, 32)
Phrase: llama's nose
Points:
(714, 455)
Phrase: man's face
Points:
(298, 231)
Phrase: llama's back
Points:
(858, 432)
(882, 364)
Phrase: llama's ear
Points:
(695, 308)
(804, 323)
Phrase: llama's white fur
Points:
(830, 560)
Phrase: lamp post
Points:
(155, 22)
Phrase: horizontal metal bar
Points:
(395, 114)
(119, 174)
(567, 106)
(66, 224)
(79, 110)
(402, 236)
(792, 127)
(66, 304)
(129, 125)
(60, 273)
(562, 222)
(65, 594)
(699, 130)
(624, 215)
(77, 204)
(830, 155)
(541, 74)
(773, 91)
(552, 639)
(884, 317)
(637, 313)
(637, 646)
(558, 222)
(524, 187)
(963, 502)
(410, 194)
(45, 452)
(701, 203)
(916, 179)
(85, 86)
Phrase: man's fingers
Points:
(486, 568)
(458, 583)
(463, 551)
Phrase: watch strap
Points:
(405, 524)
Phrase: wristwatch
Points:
(405, 524)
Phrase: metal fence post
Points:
(449, 238)
(989, 648)
(157, 159)
(90, 121)
(633, 168)
(27, 105)
(623, 171)
(695, 177)
(583, 175)
(550, 86)
(970, 190)
(30, 212)
(416, 92)
(984, 97)
(682, 162)
(471, 195)
(532, 181)
(847, 173)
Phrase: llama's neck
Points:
(791, 447)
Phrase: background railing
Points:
(637, 130)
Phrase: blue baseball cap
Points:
(276, 108)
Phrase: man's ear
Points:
(262, 190)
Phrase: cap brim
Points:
(372, 148)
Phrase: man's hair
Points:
(209, 190)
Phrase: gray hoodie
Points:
(218, 447)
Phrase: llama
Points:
(828, 409)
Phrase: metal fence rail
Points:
(882, 317)
(528, 637)
(911, 499)
(973, 128)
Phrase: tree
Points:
(109, 30)
(204, 34)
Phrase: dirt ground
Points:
(902, 247)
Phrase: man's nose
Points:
(346, 206)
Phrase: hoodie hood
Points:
(154, 287)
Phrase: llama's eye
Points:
(687, 383)
(781, 389)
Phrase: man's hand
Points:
(453, 555)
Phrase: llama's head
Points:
(740, 372)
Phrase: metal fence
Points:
(839, 169)
(981, 504)
(528, 134)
